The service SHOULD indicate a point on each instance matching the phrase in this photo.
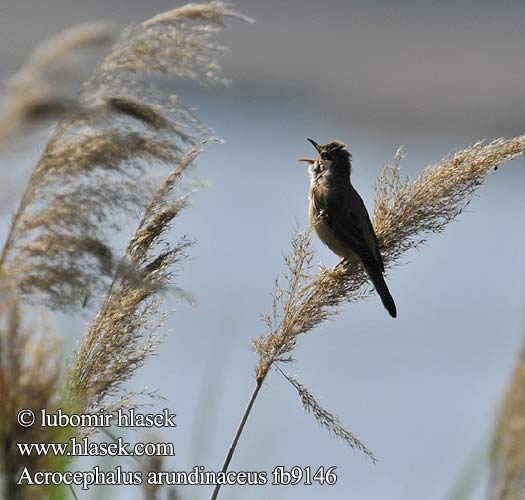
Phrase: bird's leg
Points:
(343, 264)
(347, 265)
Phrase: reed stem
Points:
(238, 433)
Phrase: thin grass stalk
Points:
(237, 435)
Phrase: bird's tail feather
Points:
(382, 289)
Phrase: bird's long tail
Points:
(382, 289)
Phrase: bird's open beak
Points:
(314, 144)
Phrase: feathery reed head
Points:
(326, 419)
(124, 331)
(48, 84)
(90, 177)
(92, 173)
(29, 373)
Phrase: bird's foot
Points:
(343, 264)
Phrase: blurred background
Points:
(421, 391)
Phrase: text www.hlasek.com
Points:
(84, 447)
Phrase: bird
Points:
(339, 216)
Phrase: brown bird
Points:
(339, 217)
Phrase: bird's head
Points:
(333, 156)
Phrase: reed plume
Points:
(29, 378)
(48, 84)
(507, 478)
(125, 329)
(406, 214)
(326, 419)
(91, 174)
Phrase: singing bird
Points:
(339, 217)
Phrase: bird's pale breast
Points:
(327, 235)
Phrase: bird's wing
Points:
(351, 223)
(368, 229)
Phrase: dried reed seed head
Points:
(326, 419)
(124, 331)
(92, 173)
(63, 45)
(409, 212)
(48, 84)
(55, 246)
(30, 367)
(183, 35)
